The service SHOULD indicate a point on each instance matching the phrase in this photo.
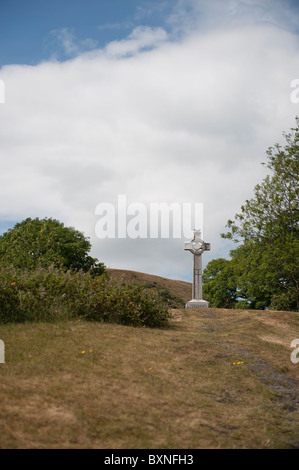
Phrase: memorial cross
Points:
(197, 246)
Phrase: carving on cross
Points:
(197, 246)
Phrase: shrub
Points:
(43, 294)
(128, 304)
(170, 300)
(51, 294)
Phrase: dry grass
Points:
(180, 387)
(179, 289)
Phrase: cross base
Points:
(194, 303)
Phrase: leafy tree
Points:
(219, 286)
(273, 212)
(35, 242)
(264, 269)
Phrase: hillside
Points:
(180, 289)
(214, 379)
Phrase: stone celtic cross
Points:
(197, 246)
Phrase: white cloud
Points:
(70, 45)
(142, 37)
(159, 121)
(192, 14)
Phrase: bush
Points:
(170, 300)
(128, 304)
(43, 294)
(51, 294)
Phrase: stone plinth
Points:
(197, 304)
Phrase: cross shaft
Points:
(197, 246)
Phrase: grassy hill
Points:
(214, 379)
(177, 289)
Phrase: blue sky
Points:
(27, 28)
(163, 101)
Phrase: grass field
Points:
(214, 379)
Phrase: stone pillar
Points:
(197, 247)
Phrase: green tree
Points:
(264, 269)
(219, 286)
(273, 212)
(35, 242)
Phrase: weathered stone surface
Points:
(197, 304)
(197, 246)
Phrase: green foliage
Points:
(171, 300)
(128, 304)
(273, 212)
(51, 294)
(42, 294)
(263, 271)
(34, 242)
(219, 284)
(46, 274)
